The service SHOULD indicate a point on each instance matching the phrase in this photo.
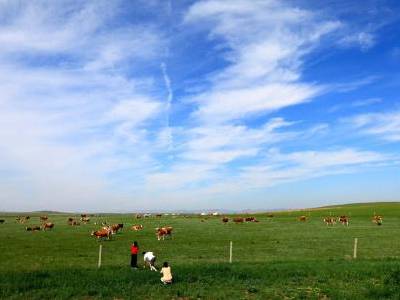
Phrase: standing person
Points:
(134, 253)
(167, 275)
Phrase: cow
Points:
(377, 220)
(139, 216)
(137, 227)
(251, 219)
(22, 219)
(47, 226)
(330, 221)
(73, 222)
(302, 218)
(344, 220)
(102, 233)
(238, 220)
(43, 218)
(270, 215)
(225, 220)
(33, 228)
(84, 216)
(85, 220)
(114, 228)
(158, 215)
(2, 221)
(163, 232)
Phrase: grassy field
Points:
(277, 258)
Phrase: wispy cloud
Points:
(384, 126)
(264, 56)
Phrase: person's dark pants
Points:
(134, 260)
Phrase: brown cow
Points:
(139, 216)
(163, 232)
(302, 218)
(102, 233)
(85, 220)
(33, 228)
(270, 215)
(43, 218)
(344, 220)
(377, 220)
(251, 219)
(22, 219)
(47, 226)
(158, 215)
(73, 222)
(330, 221)
(115, 228)
(238, 220)
(225, 220)
(137, 227)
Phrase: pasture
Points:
(276, 258)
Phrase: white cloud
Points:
(265, 44)
(364, 40)
(384, 125)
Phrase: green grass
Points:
(277, 258)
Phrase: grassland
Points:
(277, 258)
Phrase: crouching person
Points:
(149, 260)
(167, 275)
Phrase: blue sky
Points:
(163, 105)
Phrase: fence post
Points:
(355, 248)
(230, 252)
(99, 263)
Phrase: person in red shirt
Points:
(134, 253)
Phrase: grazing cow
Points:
(270, 215)
(85, 220)
(139, 216)
(302, 218)
(377, 220)
(22, 219)
(73, 222)
(115, 228)
(330, 221)
(149, 260)
(344, 220)
(43, 218)
(33, 228)
(47, 226)
(102, 233)
(2, 221)
(163, 232)
(238, 220)
(158, 215)
(225, 220)
(251, 219)
(137, 227)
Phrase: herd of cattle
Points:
(106, 231)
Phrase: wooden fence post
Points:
(355, 248)
(100, 249)
(230, 252)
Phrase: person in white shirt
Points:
(149, 259)
(167, 275)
